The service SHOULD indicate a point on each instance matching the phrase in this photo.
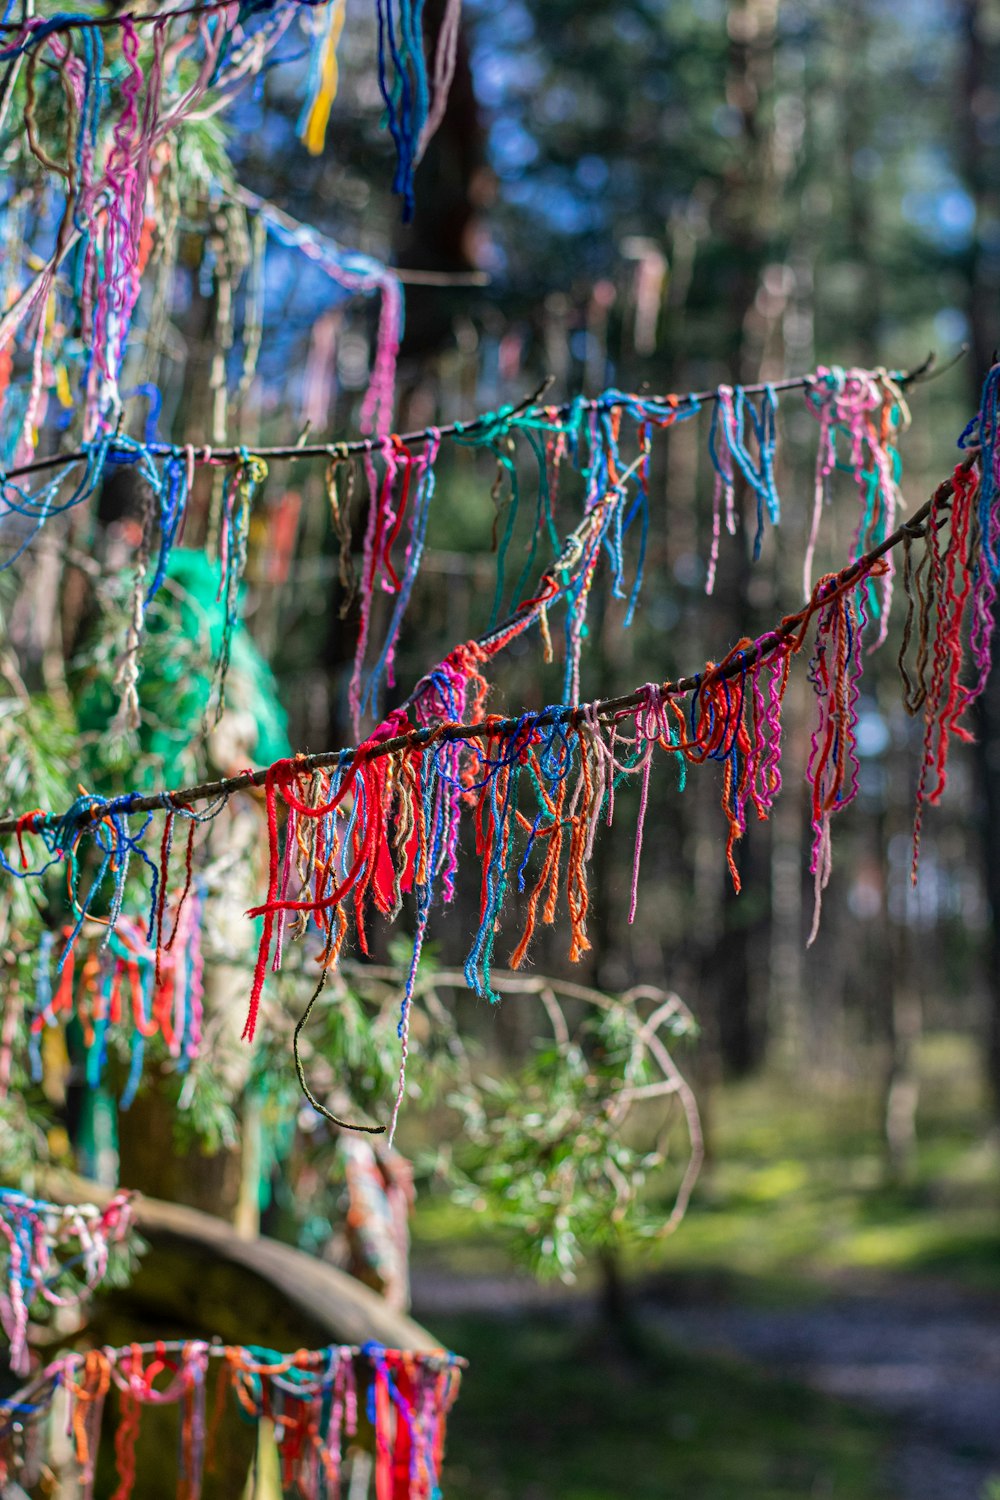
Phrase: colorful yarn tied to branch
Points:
(863, 411)
(585, 432)
(51, 1254)
(958, 583)
(237, 39)
(401, 483)
(588, 434)
(370, 826)
(123, 984)
(835, 673)
(568, 762)
(110, 163)
(121, 188)
(314, 1399)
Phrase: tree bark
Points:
(747, 224)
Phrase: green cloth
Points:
(183, 639)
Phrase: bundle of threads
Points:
(111, 158)
(589, 435)
(951, 596)
(52, 1255)
(116, 108)
(983, 433)
(862, 412)
(124, 984)
(324, 75)
(356, 274)
(835, 673)
(238, 494)
(411, 114)
(727, 448)
(316, 1400)
(414, 104)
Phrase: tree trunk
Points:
(746, 223)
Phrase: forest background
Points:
(664, 197)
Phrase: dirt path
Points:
(928, 1356)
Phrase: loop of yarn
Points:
(52, 1254)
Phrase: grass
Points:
(799, 1185)
(542, 1416)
